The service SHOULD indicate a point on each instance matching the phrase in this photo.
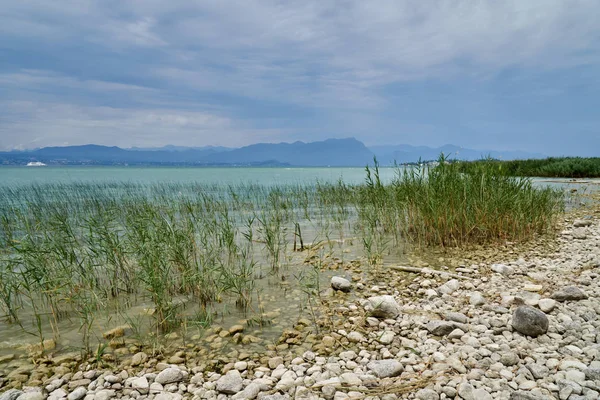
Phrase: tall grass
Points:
(442, 206)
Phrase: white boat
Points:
(36, 164)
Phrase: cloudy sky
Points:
(482, 74)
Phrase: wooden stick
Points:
(416, 270)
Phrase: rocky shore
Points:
(525, 327)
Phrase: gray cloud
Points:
(182, 71)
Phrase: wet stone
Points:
(341, 284)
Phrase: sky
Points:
(483, 74)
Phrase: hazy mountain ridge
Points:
(330, 152)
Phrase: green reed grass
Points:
(442, 206)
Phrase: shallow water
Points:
(231, 175)
(282, 297)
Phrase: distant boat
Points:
(36, 164)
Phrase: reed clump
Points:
(441, 206)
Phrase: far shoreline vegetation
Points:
(552, 167)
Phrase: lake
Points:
(230, 175)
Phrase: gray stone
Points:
(592, 374)
(547, 305)
(456, 334)
(465, 391)
(581, 223)
(502, 269)
(569, 293)
(509, 359)
(274, 362)
(384, 306)
(456, 317)
(355, 337)
(481, 394)
(156, 387)
(341, 284)
(11, 394)
(230, 383)
(440, 328)
(249, 392)
(427, 394)
(579, 233)
(449, 287)
(575, 376)
(138, 358)
(387, 337)
(141, 385)
(496, 308)
(385, 368)
(169, 375)
(477, 299)
(166, 396)
(77, 394)
(529, 321)
(105, 394)
(32, 396)
(58, 394)
(520, 395)
(538, 371)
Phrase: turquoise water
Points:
(63, 174)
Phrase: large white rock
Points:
(502, 269)
(77, 394)
(449, 287)
(384, 306)
(141, 385)
(341, 284)
(169, 375)
(385, 368)
(230, 383)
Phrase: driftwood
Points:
(416, 270)
(323, 243)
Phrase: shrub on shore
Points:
(553, 167)
(440, 205)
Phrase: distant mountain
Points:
(404, 153)
(170, 147)
(331, 152)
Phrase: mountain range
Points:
(330, 152)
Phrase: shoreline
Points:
(436, 338)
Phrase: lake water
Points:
(27, 175)
(225, 175)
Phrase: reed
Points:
(442, 206)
